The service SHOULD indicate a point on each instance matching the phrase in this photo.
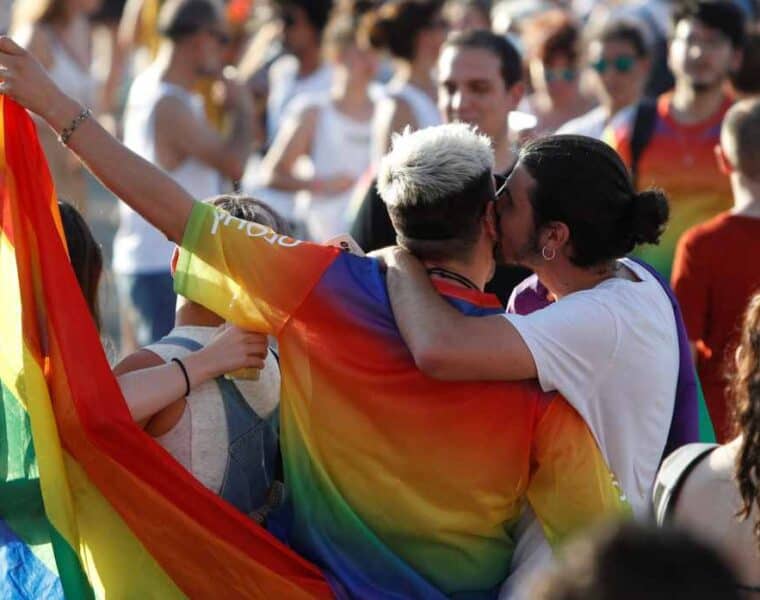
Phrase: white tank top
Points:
(68, 74)
(138, 246)
(199, 441)
(341, 146)
(423, 107)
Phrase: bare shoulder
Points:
(709, 489)
(171, 111)
(137, 361)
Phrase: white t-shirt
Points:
(612, 352)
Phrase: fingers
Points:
(8, 46)
(256, 349)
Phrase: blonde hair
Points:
(432, 163)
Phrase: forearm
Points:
(148, 391)
(281, 179)
(144, 187)
(422, 316)
(241, 136)
(445, 343)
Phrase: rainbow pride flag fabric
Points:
(400, 486)
(90, 506)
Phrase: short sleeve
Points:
(690, 284)
(245, 272)
(573, 342)
(571, 485)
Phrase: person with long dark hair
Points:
(85, 255)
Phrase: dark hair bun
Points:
(394, 26)
(378, 30)
(649, 217)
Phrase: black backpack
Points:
(643, 128)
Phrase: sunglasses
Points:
(622, 64)
(560, 75)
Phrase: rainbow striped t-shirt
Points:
(400, 486)
(680, 159)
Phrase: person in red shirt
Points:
(717, 264)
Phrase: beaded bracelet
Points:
(75, 122)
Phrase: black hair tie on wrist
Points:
(184, 372)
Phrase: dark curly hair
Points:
(745, 391)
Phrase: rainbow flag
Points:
(89, 504)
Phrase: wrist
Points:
(198, 369)
(61, 112)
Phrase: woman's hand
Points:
(230, 349)
(23, 79)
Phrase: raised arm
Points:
(446, 344)
(147, 189)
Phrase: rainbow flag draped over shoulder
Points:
(89, 504)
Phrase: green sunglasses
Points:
(622, 64)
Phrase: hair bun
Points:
(378, 30)
(650, 215)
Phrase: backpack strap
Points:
(673, 473)
(643, 128)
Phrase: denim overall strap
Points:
(182, 342)
(252, 452)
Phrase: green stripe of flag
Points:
(21, 504)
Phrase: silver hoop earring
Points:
(545, 252)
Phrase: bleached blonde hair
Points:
(432, 163)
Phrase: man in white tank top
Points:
(165, 123)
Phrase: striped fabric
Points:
(89, 503)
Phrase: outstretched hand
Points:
(24, 79)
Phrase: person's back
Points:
(394, 478)
(714, 493)
(224, 429)
(711, 277)
(708, 503)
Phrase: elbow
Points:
(432, 359)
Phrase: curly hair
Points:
(745, 388)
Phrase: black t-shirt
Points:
(372, 229)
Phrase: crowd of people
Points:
(561, 202)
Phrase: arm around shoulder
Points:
(446, 344)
